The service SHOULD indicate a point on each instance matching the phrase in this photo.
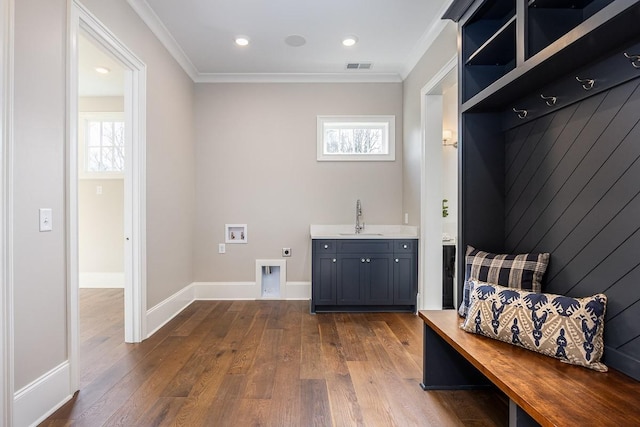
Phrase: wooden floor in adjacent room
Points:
(261, 363)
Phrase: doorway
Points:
(101, 211)
(438, 169)
(131, 130)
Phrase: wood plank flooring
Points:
(261, 363)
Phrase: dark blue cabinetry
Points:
(364, 275)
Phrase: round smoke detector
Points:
(295, 40)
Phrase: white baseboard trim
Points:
(101, 280)
(35, 402)
(297, 291)
(226, 291)
(163, 312)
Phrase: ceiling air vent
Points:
(359, 66)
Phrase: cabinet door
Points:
(379, 280)
(405, 279)
(351, 279)
(324, 279)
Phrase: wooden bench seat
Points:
(540, 389)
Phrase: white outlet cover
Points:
(46, 219)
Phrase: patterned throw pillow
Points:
(569, 329)
(521, 271)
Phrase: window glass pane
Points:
(93, 134)
(93, 159)
(107, 133)
(119, 134)
(105, 146)
(356, 138)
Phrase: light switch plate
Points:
(46, 219)
(221, 248)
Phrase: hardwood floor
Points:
(262, 363)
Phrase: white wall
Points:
(40, 287)
(440, 52)
(170, 152)
(100, 213)
(256, 163)
(450, 160)
(101, 226)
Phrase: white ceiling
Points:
(393, 35)
(92, 83)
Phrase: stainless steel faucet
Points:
(359, 227)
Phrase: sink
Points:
(372, 231)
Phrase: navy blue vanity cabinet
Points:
(364, 275)
(365, 279)
(405, 272)
(324, 273)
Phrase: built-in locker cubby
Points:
(489, 45)
(505, 42)
(548, 150)
(549, 20)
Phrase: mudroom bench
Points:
(541, 390)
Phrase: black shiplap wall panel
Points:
(549, 222)
(572, 188)
(518, 140)
(604, 228)
(536, 193)
(534, 162)
(623, 291)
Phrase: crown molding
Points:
(428, 38)
(298, 78)
(146, 13)
(151, 19)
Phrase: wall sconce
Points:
(447, 135)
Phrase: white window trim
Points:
(82, 157)
(390, 121)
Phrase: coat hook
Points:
(521, 113)
(587, 84)
(635, 59)
(549, 100)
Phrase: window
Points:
(359, 138)
(102, 152)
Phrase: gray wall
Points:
(170, 153)
(100, 216)
(256, 163)
(40, 288)
(443, 48)
(101, 226)
(40, 299)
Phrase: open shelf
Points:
(613, 25)
(547, 21)
(489, 44)
(500, 49)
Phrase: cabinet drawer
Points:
(365, 246)
(324, 246)
(405, 246)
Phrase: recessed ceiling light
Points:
(102, 70)
(242, 40)
(295, 40)
(349, 41)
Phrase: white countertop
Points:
(347, 231)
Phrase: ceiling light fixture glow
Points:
(102, 70)
(349, 41)
(242, 40)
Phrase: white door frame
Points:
(6, 234)
(430, 279)
(135, 182)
